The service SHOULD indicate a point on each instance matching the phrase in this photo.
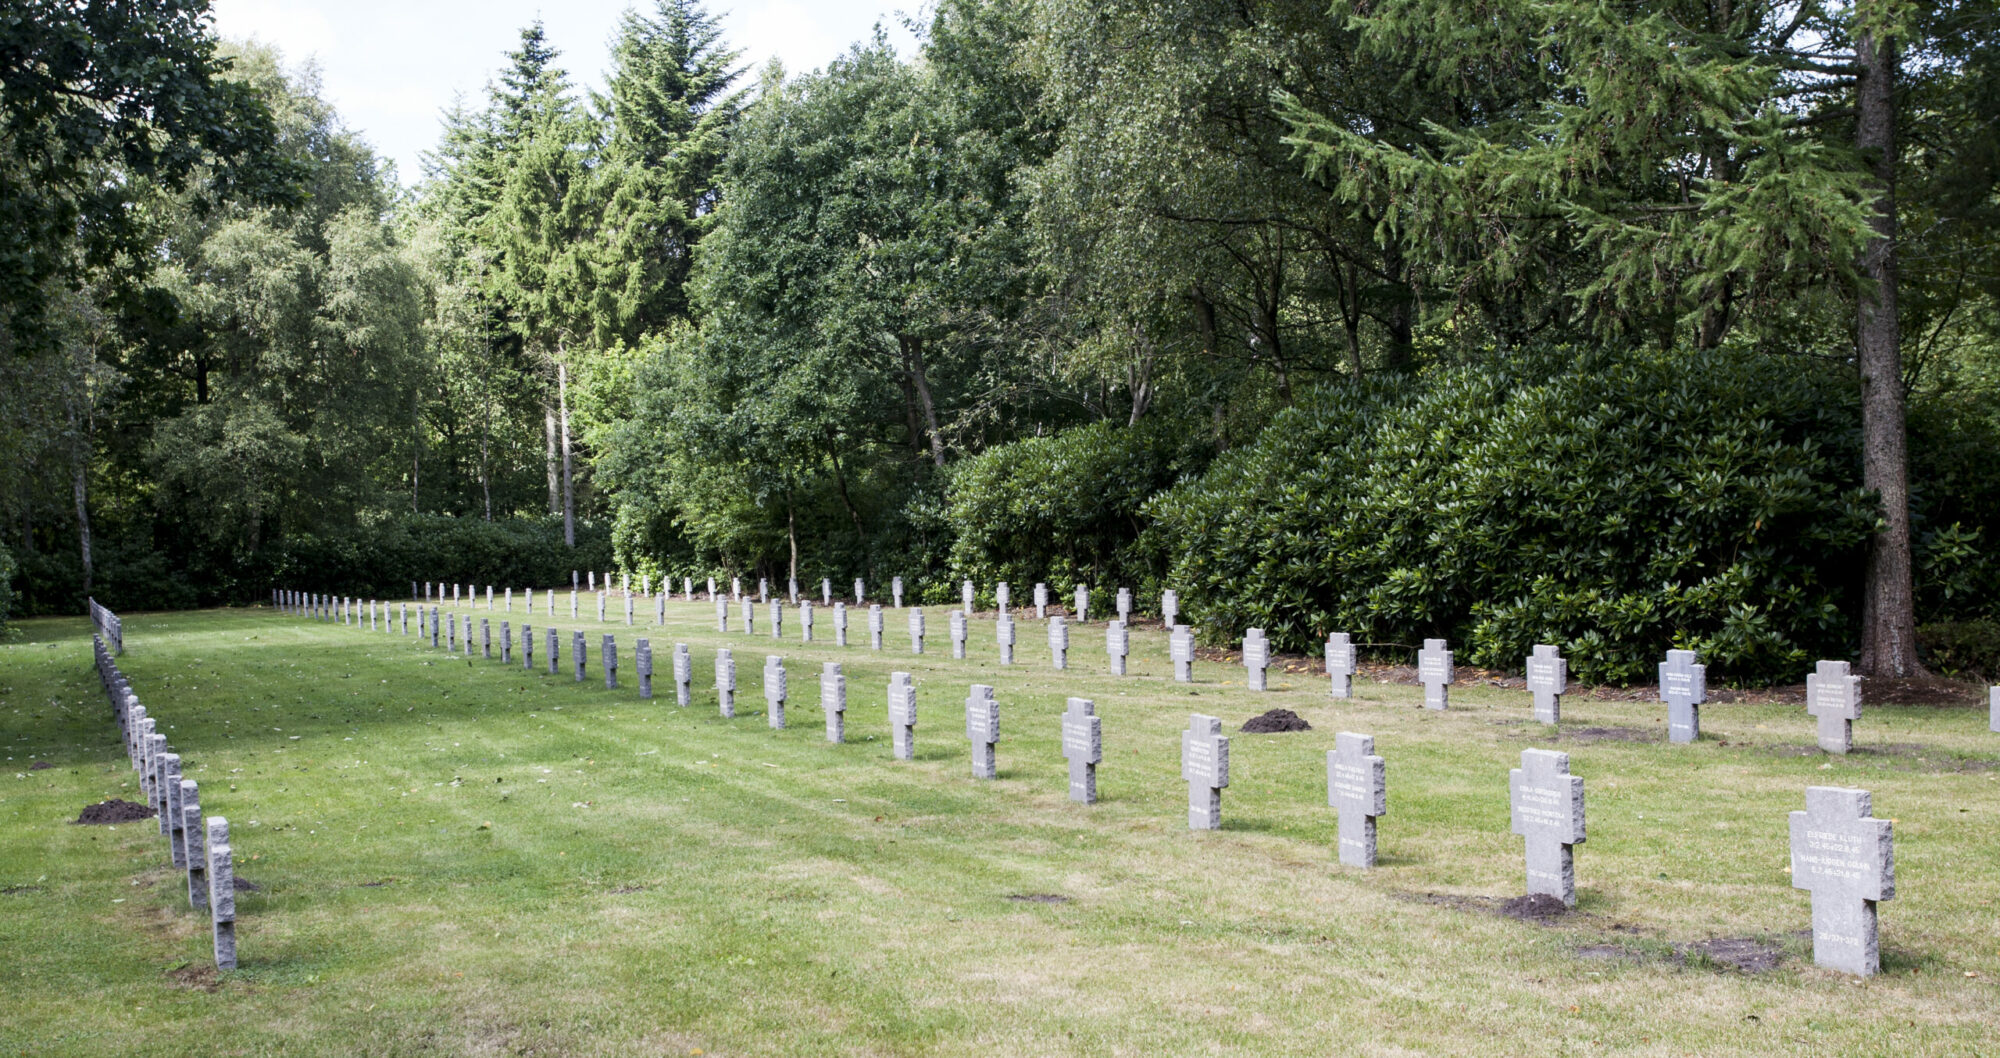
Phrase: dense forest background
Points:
(1619, 327)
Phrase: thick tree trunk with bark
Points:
(913, 365)
(568, 482)
(550, 460)
(80, 485)
(1888, 613)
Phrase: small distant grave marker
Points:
(1083, 745)
(1003, 633)
(1170, 607)
(896, 591)
(1356, 784)
(555, 651)
(825, 591)
(1002, 598)
(860, 592)
(1205, 767)
(833, 700)
(1547, 804)
(722, 615)
(775, 686)
(777, 620)
(875, 626)
(683, 675)
(1124, 604)
(749, 616)
(1683, 686)
(1058, 643)
(221, 893)
(1117, 645)
(197, 844)
(982, 729)
(1435, 672)
(725, 683)
(527, 648)
(1548, 681)
(642, 665)
(1834, 696)
(608, 658)
(506, 643)
(840, 624)
(660, 608)
(805, 620)
(1082, 609)
(1041, 602)
(1256, 657)
(1180, 645)
(1846, 858)
(956, 621)
(916, 631)
(578, 653)
(1340, 664)
(966, 595)
(486, 638)
(903, 715)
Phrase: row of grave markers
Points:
(1840, 853)
(434, 592)
(197, 846)
(110, 627)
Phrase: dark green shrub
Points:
(1961, 648)
(382, 558)
(1614, 504)
(6, 585)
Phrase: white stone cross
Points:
(903, 715)
(1547, 803)
(840, 624)
(1082, 609)
(1205, 767)
(982, 729)
(1340, 667)
(896, 591)
(1256, 657)
(1548, 681)
(555, 652)
(1002, 597)
(608, 659)
(966, 596)
(642, 664)
(774, 690)
(1083, 745)
(1041, 601)
(486, 638)
(722, 615)
(875, 626)
(221, 893)
(916, 631)
(749, 616)
(833, 700)
(763, 588)
(1847, 859)
(826, 591)
(777, 620)
(1435, 672)
(683, 674)
(725, 683)
(578, 653)
(1125, 605)
(1003, 633)
(805, 620)
(792, 590)
(1356, 785)
(956, 621)
(1993, 710)
(1058, 643)
(1834, 697)
(860, 592)
(1683, 686)
(1181, 646)
(1117, 645)
(506, 643)
(527, 647)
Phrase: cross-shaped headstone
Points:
(916, 631)
(593, 579)
(1340, 666)
(660, 608)
(170, 809)
(725, 682)
(763, 588)
(1170, 607)
(749, 616)
(1041, 601)
(555, 651)
(1993, 709)
(1083, 745)
(1003, 633)
(982, 729)
(903, 715)
(896, 591)
(1435, 672)
(506, 643)
(1002, 598)
(775, 686)
(1058, 643)
(683, 675)
(687, 589)
(1683, 686)
(646, 583)
(1547, 804)
(489, 598)
(434, 626)
(1834, 697)
(860, 592)
(777, 620)
(721, 615)
(1548, 681)
(1356, 785)
(1205, 767)
(1125, 605)
(572, 605)
(197, 847)
(965, 597)
(792, 591)
(806, 620)
(486, 638)
(736, 587)
(956, 621)
(468, 635)
(875, 626)
(826, 591)
(221, 893)
(600, 607)
(628, 610)
(840, 624)
(1082, 604)
(510, 600)
(1117, 645)
(527, 647)
(608, 657)
(578, 653)
(1180, 646)
(1847, 859)
(833, 700)
(1256, 657)
(642, 664)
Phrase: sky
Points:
(391, 67)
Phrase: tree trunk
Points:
(568, 482)
(792, 534)
(1400, 356)
(555, 474)
(1888, 611)
(80, 485)
(913, 363)
(486, 439)
(840, 484)
(416, 451)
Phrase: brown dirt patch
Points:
(40, 765)
(1539, 908)
(1607, 734)
(195, 978)
(115, 810)
(244, 886)
(1275, 722)
(1039, 898)
(1746, 954)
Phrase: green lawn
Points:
(459, 857)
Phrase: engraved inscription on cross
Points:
(1340, 665)
(1256, 657)
(982, 728)
(1548, 681)
(1205, 767)
(1435, 672)
(1834, 697)
(1083, 744)
(1683, 686)
(774, 690)
(1846, 858)
(1547, 806)
(903, 715)
(833, 700)
(1356, 785)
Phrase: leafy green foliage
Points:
(1962, 648)
(7, 570)
(382, 558)
(1614, 504)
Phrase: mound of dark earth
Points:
(114, 811)
(1275, 721)
(1535, 907)
(40, 765)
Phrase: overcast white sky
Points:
(390, 66)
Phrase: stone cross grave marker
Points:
(468, 635)
(1125, 605)
(1058, 643)
(572, 606)
(578, 653)
(1205, 767)
(1003, 633)
(725, 683)
(600, 607)
(826, 591)
(956, 621)
(593, 579)
(1002, 597)
(1082, 604)
(660, 609)
(1548, 681)
(646, 584)
(1117, 645)
(1683, 686)
(903, 716)
(896, 591)
(683, 675)
(792, 591)
(221, 893)
(434, 626)
(1547, 804)
(454, 594)
(1083, 745)
(763, 588)
(1834, 697)
(840, 624)
(609, 659)
(875, 626)
(170, 809)
(197, 844)
(1041, 602)
(489, 598)
(833, 700)
(777, 620)
(510, 600)
(982, 729)
(806, 620)
(916, 631)
(506, 643)
(1180, 646)
(528, 599)
(965, 597)
(1356, 785)
(1170, 607)
(775, 687)
(642, 664)
(736, 587)
(1257, 657)
(555, 651)
(687, 589)
(749, 616)
(1340, 664)
(486, 638)
(722, 615)
(711, 588)
(860, 592)
(628, 611)
(527, 648)
(1846, 858)
(1435, 672)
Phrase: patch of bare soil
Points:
(1746, 954)
(116, 810)
(197, 978)
(40, 765)
(245, 886)
(1539, 908)
(1275, 722)
(1039, 898)
(1608, 734)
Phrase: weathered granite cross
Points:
(683, 674)
(221, 893)
(833, 700)
(486, 638)
(966, 597)
(1205, 767)
(763, 588)
(982, 729)
(1082, 609)
(1041, 602)
(1548, 681)
(1181, 646)
(1547, 803)
(777, 620)
(1083, 745)
(1356, 785)
(600, 607)
(1256, 657)
(197, 848)
(434, 627)
(775, 686)
(1002, 598)
(749, 616)
(956, 621)
(805, 620)
(628, 611)
(1117, 645)
(660, 608)
(608, 658)
(527, 647)
(1834, 697)
(826, 591)
(555, 652)
(721, 614)
(468, 635)
(1124, 605)
(860, 592)
(840, 624)
(736, 587)
(1058, 642)
(875, 626)
(1003, 633)
(916, 631)
(725, 683)
(1170, 607)
(1847, 859)
(1340, 667)
(1435, 672)
(1683, 686)
(896, 591)
(903, 715)
(792, 591)
(642, 664)
(578, 653)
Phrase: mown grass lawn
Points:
(462, 857)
